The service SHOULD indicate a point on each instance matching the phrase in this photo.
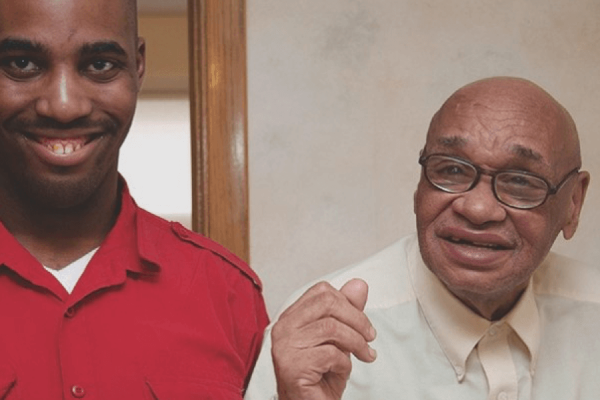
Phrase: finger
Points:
(316, 290)
(309, 366)
(331, 331)
(322, 301)
(356, 291)
(307, 370)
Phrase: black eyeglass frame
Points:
(482, 171)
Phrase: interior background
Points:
(340, 95)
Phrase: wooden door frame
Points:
(218, 101)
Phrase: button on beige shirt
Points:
(432, 347)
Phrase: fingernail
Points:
(373, 333)
(372, 353)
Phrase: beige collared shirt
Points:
(431, 346)
(460, 333)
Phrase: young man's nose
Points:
(64, 97)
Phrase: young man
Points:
(98, 298)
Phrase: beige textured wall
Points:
(340, 97)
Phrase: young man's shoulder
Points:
(171, 241)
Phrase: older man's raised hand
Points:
(314, 338)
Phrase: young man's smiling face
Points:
(70, 72)
(481, 249)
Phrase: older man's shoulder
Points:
(386, 273)
(566, 277)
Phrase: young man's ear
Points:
(141, 61)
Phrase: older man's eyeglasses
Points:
(517, 189)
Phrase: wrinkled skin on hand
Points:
(314, 338)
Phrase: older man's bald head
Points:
(511, 103)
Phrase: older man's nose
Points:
(479, 205)
(64, 97)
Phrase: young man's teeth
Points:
(58, 148)
(64, 149)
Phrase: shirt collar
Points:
(120, 252)
(524, 319)
(458, 329)
(132, 236)
(16, 258)
(129, 246)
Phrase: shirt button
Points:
(502, 396)
(70, 313)
(77, 391)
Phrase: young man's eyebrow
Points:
(18, 44)
(95, 48)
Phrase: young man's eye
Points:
(24, 64)
(20, 67)
(101, 66)
(102, 70)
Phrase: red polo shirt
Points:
(159, 313)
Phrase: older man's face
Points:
(70, 72)
(478, 247)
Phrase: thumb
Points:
(356, 291)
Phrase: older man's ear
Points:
(576, 204)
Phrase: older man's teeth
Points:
(488, 245)
(476, 244)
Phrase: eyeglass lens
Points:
(512, 188)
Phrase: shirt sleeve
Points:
(239, 304)
(263, 385)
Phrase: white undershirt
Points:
(69, 275)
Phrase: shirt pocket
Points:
(170, 388)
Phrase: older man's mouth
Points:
(482, 250)
(485, 245)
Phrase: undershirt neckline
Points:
(69, 275)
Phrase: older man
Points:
(98, 298)
(473, 306)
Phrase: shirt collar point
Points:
(146, 267)
(532, 368)
(460, 372)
